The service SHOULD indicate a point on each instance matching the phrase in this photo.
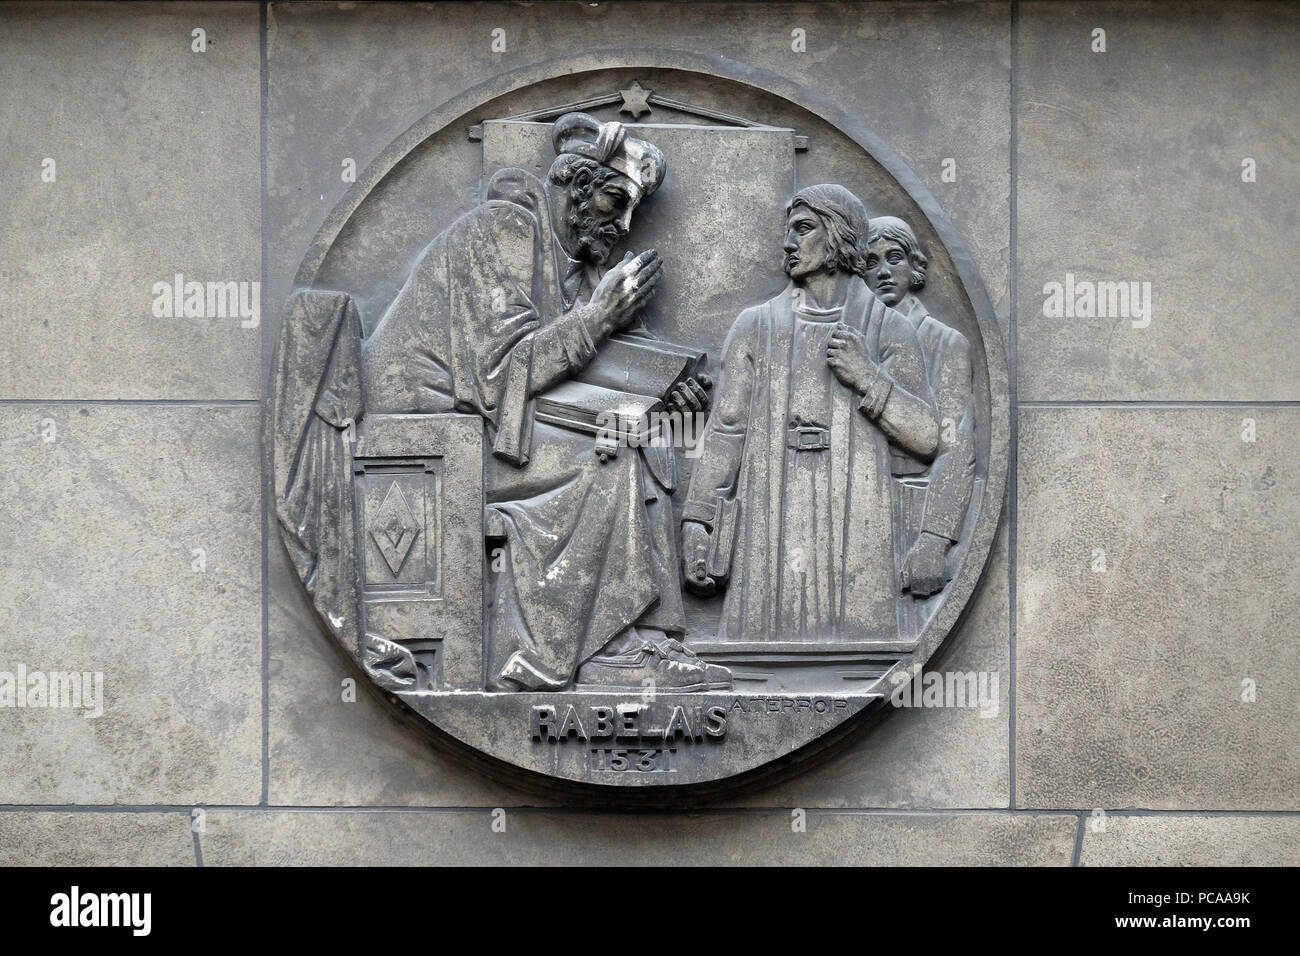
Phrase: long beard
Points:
(596, 240)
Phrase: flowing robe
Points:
(484, 324)
(934, 497)
(317, 398)
(813, 554)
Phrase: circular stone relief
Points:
(639, 424)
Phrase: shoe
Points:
(717, 676)
(645, 667)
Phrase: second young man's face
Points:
(889, 273)
(807, 246)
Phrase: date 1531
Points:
(657, 760)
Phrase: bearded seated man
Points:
(506, 303)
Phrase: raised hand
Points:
(622, 291)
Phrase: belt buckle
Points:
(809, 437)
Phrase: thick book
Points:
(596, 410)
(642, 366)
(629, 380)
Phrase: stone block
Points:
(539, 838)
(1130, 170)
(136, 529)
(1156, 585)
(156, 175)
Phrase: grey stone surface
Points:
(1130, 681)
(110, 518)
(462, 837)
(1130, 169)
(1192, 841)
(324, 751)
(363, 239)
(156, 152)
(925, 757)
(95, 839)
(343, 83)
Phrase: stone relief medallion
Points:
(639, 425)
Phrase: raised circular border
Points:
(990, 504)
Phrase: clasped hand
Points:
(846, 354)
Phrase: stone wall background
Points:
(1143, 585)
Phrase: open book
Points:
(630, 378)
(645, 366)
